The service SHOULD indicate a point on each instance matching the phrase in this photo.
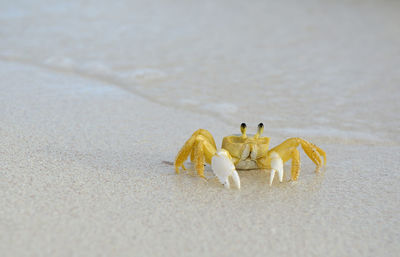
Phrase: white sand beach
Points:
(97, 98)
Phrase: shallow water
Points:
(327, 69)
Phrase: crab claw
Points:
(276, 165)
(224, 168)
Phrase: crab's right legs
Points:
(202, 147)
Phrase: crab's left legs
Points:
(288, 151)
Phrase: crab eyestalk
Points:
(259, 131)
(243, 128)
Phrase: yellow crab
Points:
(245, 152)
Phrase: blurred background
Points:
(97, 97)
(330, 68)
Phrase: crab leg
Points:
(313, 152)
(202, 149)
(288, 151)
(200, 135)
(199, 158)
(295, 169)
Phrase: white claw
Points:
(276, 165)
(236, 179)
(271, 178)
(280, 173)
(227, 184)
(224, 168)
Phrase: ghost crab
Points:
(245, 152)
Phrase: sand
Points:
(97, 98)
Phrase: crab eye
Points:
(260, 130)
(243, 126)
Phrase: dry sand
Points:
(96, 99)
